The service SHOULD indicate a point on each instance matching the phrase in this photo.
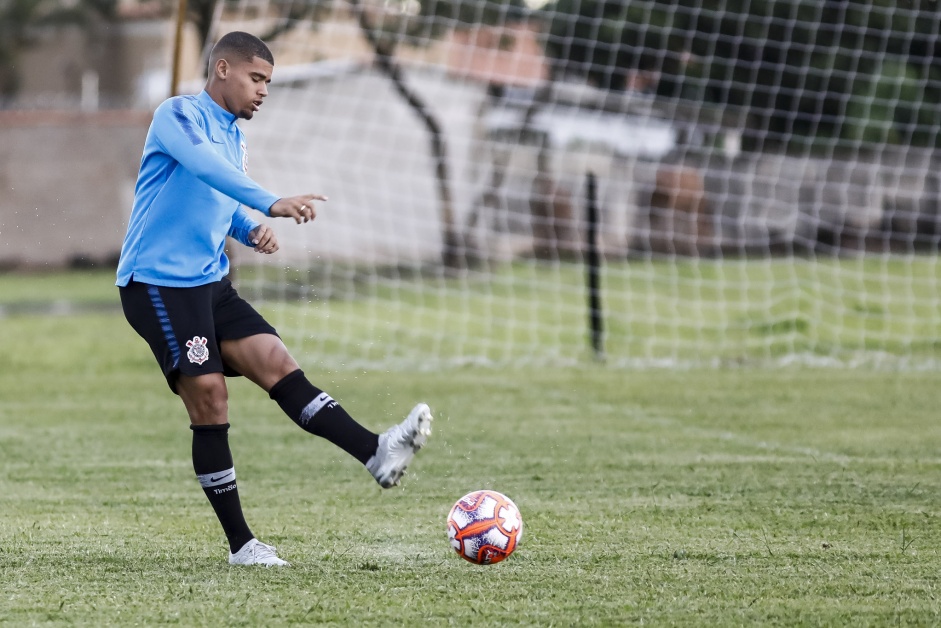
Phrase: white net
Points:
(767, 181)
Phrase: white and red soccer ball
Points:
(484, 527)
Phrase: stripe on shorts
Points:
(164, 318)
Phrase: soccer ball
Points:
(484, 527)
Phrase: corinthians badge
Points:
(198, 352)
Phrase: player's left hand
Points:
(264, 239)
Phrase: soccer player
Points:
(192, 191)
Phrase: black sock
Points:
(212, 461)
(316, 412)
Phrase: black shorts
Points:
(184, 326)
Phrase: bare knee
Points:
(262, 358)
(206, 398)
(281, 364)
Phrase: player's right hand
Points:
(264, 239)
(300, 208)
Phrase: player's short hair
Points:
(243, 45)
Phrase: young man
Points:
(191, 193)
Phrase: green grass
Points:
(35, 289)
(666, 497)
(880, 311)
(689, 312)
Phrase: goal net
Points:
(673, 183)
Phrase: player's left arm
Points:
(265, 240)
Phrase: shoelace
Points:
(261, 550)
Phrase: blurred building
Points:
(71, 135)
(122, 63)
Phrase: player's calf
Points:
(318, 413)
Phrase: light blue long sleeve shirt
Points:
(191, 193)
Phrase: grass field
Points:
(663, 497)
(877, 310)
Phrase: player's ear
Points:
(221, 68)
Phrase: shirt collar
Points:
(218, 113)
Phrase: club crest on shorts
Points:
(198, 351)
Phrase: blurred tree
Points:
(401, 21)
(20, 21)
(603, 40)
(204, 14)
(804, 70)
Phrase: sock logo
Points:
(209, 480)
(320, 402)
(198, 351)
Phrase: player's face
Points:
(246, 86)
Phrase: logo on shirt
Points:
(198, 352)
(244, 157)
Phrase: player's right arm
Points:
(178, 131)
(300, 208)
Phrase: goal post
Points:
(766, 177)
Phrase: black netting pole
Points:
(593, 271)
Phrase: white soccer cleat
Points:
(257, 553)
(398, 444)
